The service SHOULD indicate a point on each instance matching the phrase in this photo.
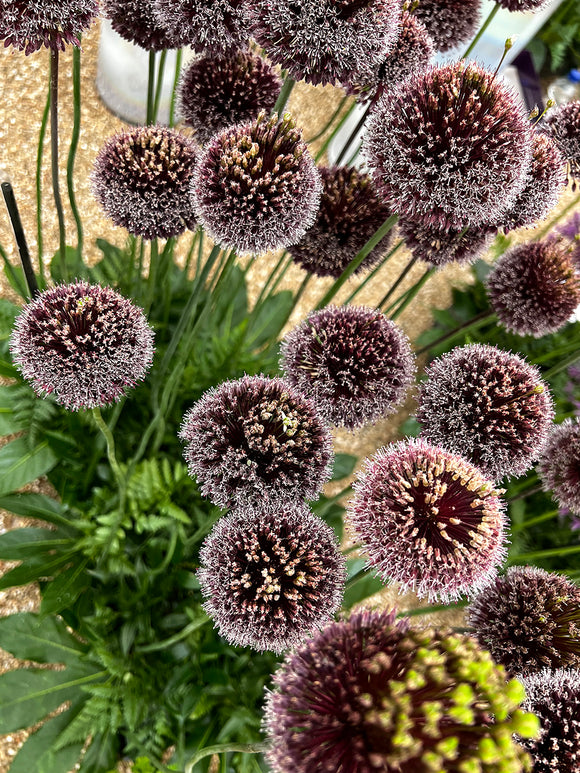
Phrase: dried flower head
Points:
(369, 694)
(563, 124)
(353, 362)
(271, 577)
(450, 147)
(135, 21)
(449, 22)
(28, 26)
(256, 187)
(429, 520)
(559, 464)
(522, 5)
(208, 26)
(529, 619)
(82, 343)
(256, 439)
(534, 288)
(142, 179)
(324, 41)
(488, 405)
(350, 213)
(440, 247)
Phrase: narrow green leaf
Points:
(9, 422)
(343, 466)
(64, 589)
(20, 465)
(21, 543)
(34, 569)
(38, 754)
(74, 265)
(101, 754)
(27, 637)
(36, 506)
(8, 313)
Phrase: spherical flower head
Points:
(142, 179)
(522, 5)
(208, 26)
(450, 147)
(449, 22)
(563, 124)
(488, 405)
(254, 440)
(350, 213)
(369, 694)
(440, 247)
(84, 344)
(559, 464)
(256, 187)
(554, 697)
(218, 91)
(28, 25)
(534, 288)
(529, 619)
(135, 21)
(324, 41)
(271, 576)
(352, 362)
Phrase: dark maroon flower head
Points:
(28, 25)
(428, 519)
(440, 247)
(271, 576)
(256, 439)
(449, 22)
(351, 361)
(559, 464)
(142, 179)
(529, 619)
(563, 124)
(324, 41)
(135, 21)
(219, 91)
(522, 5)
(488, 405)
(208, 26)
(450, 147)
(256, 187)
(82, 343)
(534, 288)
(350, 213)
(369, 694)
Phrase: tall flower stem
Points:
(110, 441)
(153, 271)
(323, 148)
(398, 282)
(14, 216)
(223, 748)
(566, 362)
(405, 299)
(525, 493)
(534, 521)
(159, 85)
(539, 554)
(150, 89)
(39, 157)
(173, 103)
(284, 95)
(76, 130)
(371, 275)
(481, 30)
(353, 136)
(54, 159)
(484, 317)
(330, 121)
(547, 228)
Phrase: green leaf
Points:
(16, 279)
(7, 369)
(38, 754)
(34, 569)
(343, 466)
(271, 318)
(18, 544)
(10, 422)
(112, 266)
(20, 465)
(8, 313)
(64, 589)
(27, 637)
(101, 754)
(75, 268)
(36, 506)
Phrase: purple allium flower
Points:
(350, 213)
(142, 179)
(216, 92)
(449, 22)
(554, 697)
(324, 41)
(271, 577)
(488, 405)
(208, 26)
(534, 288)
(82, 343)
(256, 187)
(450, 147)
(256, 439)
(529, 619)
(440, 247)
(28, 25)
(559, 464)
(368, 694)
(563, 124)
(135, 21)
(522, 5)
(429, 520)
(353, 362)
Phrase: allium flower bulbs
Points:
(563, 124)
(28, 25)
(534, 288)
(217, 91)
(135, 21)
(529, 619)
(256, 187)
(208, 26)
(350, 213)
(354, 363)
(488, 405)
(450, 147)
(271, 577)
(256, 439)
(559, 464)
(449, 22)
(84, 344)
(440, 247)
(142, 179)
(429, 520)
(522, 5)
(369, 694)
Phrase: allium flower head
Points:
(563, 124)
(324, 41)
(135, 21)
(353, 362)
(350, 213)
(216, 92)
(559, 465)
(534, 288)
(256, 439)
(451, 147)
(28, 25)
(142, 179)
(428, 519)
(82, 343)
(208, 26)
(449, 22)
(256, 187)
(522, 5)
(529, 619)
(440, 247)
(271, 576)
(368, 695)
(488, 405)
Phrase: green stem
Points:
(557, 219)
(159, 85)
(335, 131)
(284, 95)
(100, 444)
(356, 577)
(15, 280)
(398, 281)
(352, 136)
(375, 271)
(428, 610)
(533, 521)
(405, 299)
(330, 121)
(173, 103)
(472, 324)
(184, 633)
(54, 159)
(153, 271)
(354, 156)
(39, 157)
(539, 554)
(111, 456)
(150, 89)
(76, 130)
(481, 30)
(570, 360)
(224, 748)
(525, 493)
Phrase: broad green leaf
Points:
(34, 569)
(46, 640)
(8, 313)
(64, 589)
(7, 369)
(21, 543)
(9, 422)
(17, 280)
(20, 465)
(270, 318)
(343, 466)
(75, 267)
(112, 266)
(36, 506)
(38, 754)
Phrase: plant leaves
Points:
(343, 466)
(10, 422)
(38, 754)
(64, 589)
(20, 465)
(34, 568)
(74, 266)
(18, 544)
(36, 506)
(27, 637)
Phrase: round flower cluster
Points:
(522, 5)
(559, 464)
(135, 21)
(440, 247)
(28, 26)
(208, 26)
(449, 22)
(563, 124)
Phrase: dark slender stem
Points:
(173, 103)
(330, 121)
(397, 283)
(39, 157)
(352, 136)
(284, 95)
(570, 360)
(14, 278)
(375, 271)
(471, 324)
(408, 296)
(76, 130)
(54, 159)
(526, 493)
(535, 521)
(334, 132)
(14, 216)
(150, 89)
(481, 30)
